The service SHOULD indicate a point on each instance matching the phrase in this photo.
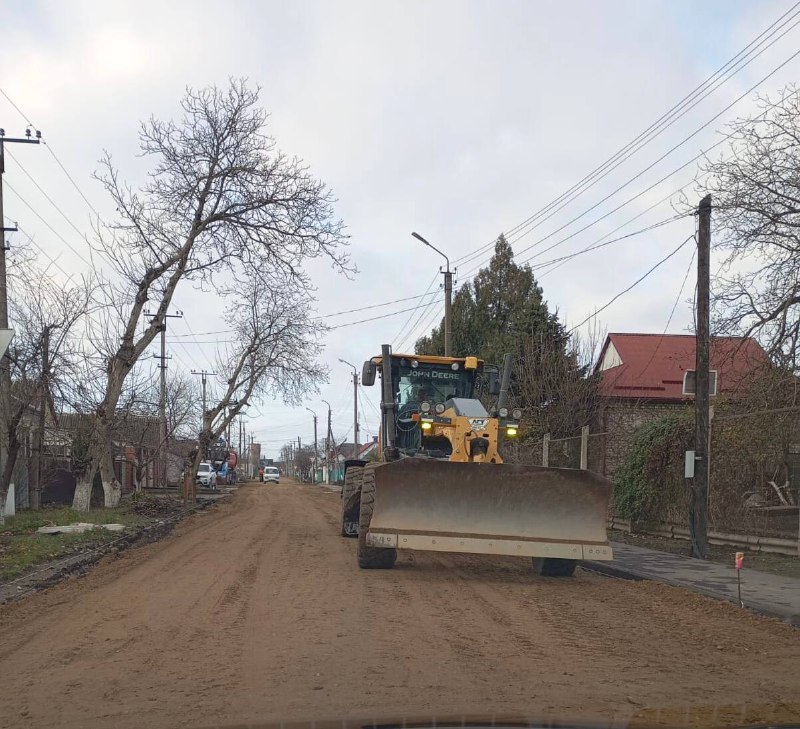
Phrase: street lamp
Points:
(328, 446)
(448, 294)
(355, 405)
(314, 477)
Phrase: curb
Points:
(609, 569)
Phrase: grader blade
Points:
(487, 508)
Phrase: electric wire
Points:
(623, 150)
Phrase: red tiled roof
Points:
(653, 365)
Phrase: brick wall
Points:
(618, 419)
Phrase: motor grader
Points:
(440, 482)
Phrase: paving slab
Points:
(766, 593)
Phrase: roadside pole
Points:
(698, 515)
(448, 295)
(5, 366)
(38, 434)
(205, 427)
(162, 399)
(327, 478)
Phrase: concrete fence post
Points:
(546, 449)
(584, 447)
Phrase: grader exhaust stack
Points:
(441, 484)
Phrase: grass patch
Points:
(26, 522)
(22, 548)
(24, 551)
(776, 564)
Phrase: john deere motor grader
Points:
(440, 483)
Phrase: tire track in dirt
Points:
(257, 612)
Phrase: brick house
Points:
(642, 380)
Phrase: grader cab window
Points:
(434, 383)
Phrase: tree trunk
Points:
(12, 451)
(8, 470)
(82, 500)
(83, 491)
(112, 489)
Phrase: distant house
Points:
(642, 379)
(347, 451)
(135, 440)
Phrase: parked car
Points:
(206, 475)
(271, 473)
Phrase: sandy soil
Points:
(255, 611)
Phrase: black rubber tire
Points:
(352, 483)
(371, 558)
(553, 567)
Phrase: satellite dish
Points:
(6, 335)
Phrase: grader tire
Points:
(371, 558)
(352, 484)
(553, 567)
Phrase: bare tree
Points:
(558, 394)
(756, 201)
(220, 195)
(46, 318)
(138, 425)
(274, 352)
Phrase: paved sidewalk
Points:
(765, 593)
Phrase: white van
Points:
(271, 473)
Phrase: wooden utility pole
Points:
(698, 508)
(5, 366)
(38, 434)
(206, 426)
(162, 396)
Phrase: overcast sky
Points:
(455, 119)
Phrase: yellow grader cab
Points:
(440, 483)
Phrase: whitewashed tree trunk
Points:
(112, 489)
(83, 491)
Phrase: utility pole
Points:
(314, 466)
(162, 399)
(328, 446)
(5, 366)
(38, 435)
(448, 296)
(698, 514)
(355, 406)
(204, 375)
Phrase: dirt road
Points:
(255, 611)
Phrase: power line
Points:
(373, 306)
(624, 149)
(47, 197)
(403, 328)
(382, 316)
(430, 318)
(51, 151)
(650, 166)
(671, 313)
(633, 285)
(52, 229)
(596, 245)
